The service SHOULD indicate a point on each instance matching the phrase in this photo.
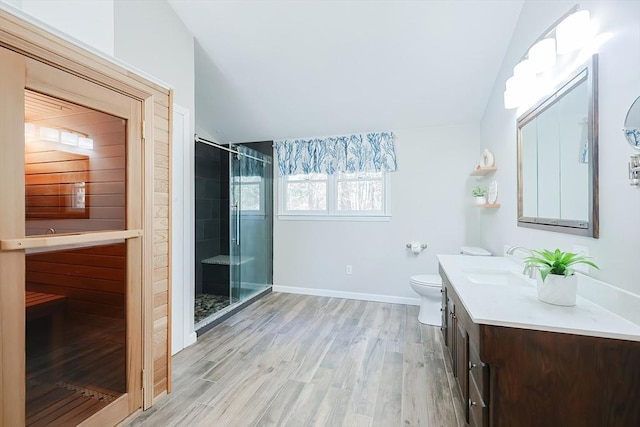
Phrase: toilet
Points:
(429, 287)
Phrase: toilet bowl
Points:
(429, 287)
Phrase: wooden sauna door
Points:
(90, 223)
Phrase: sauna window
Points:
(75, 175)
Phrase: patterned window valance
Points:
(364, 152)
(251, 166)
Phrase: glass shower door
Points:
(250, 223)
(235, 217)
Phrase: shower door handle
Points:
(236, 234)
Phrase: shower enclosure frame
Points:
(245, 161)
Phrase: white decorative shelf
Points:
(480, 171)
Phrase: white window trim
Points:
(332, 214)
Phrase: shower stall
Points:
(234, 223)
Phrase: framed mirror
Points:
(632, 125)
(558, 158)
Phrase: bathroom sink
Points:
(498, 277)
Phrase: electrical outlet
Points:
(581, 250)
(348, 269)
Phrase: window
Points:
(342, 195)
(251, 189)
(360, 192)
(306, 193)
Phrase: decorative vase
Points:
(557, 289)
(480, 200)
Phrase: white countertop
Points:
(517, 306)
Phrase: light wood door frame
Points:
(20, 73)
(12, 264)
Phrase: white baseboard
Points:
(347, 295)
(191, 339)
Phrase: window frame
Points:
(332, 213)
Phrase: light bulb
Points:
(510, 100)
(512, 93)
(542, 55)
(524, 70)
(574, 32)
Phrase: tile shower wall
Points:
(212, 206)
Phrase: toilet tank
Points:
(474, 251)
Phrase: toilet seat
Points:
(430, 280)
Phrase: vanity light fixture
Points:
(543, 54)
(33, 133)
(571, 32)
(524, 70)
(574, 31)
(512, 94)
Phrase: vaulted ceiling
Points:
(287, 69)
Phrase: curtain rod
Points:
(222, 147)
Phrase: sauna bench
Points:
(520, 362)
(39, 305)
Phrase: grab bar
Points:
(236, 234)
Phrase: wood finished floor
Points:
(89, 373)
(297, 360)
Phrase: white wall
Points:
(151, 37)
(617, 252)
(430, 202)
(88, 21)
(14, 3)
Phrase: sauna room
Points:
(83, 234)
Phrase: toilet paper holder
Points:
(416, 247)
(422, 245)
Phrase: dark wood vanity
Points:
(525, 377)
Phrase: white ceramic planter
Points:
(558, 290)
(480, 200)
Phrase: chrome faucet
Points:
(528, 269)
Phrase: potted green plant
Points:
(557, 282)
(479, 194)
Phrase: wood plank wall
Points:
(21, 36)
(92, 278)
(161, 302)
(105, 177)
